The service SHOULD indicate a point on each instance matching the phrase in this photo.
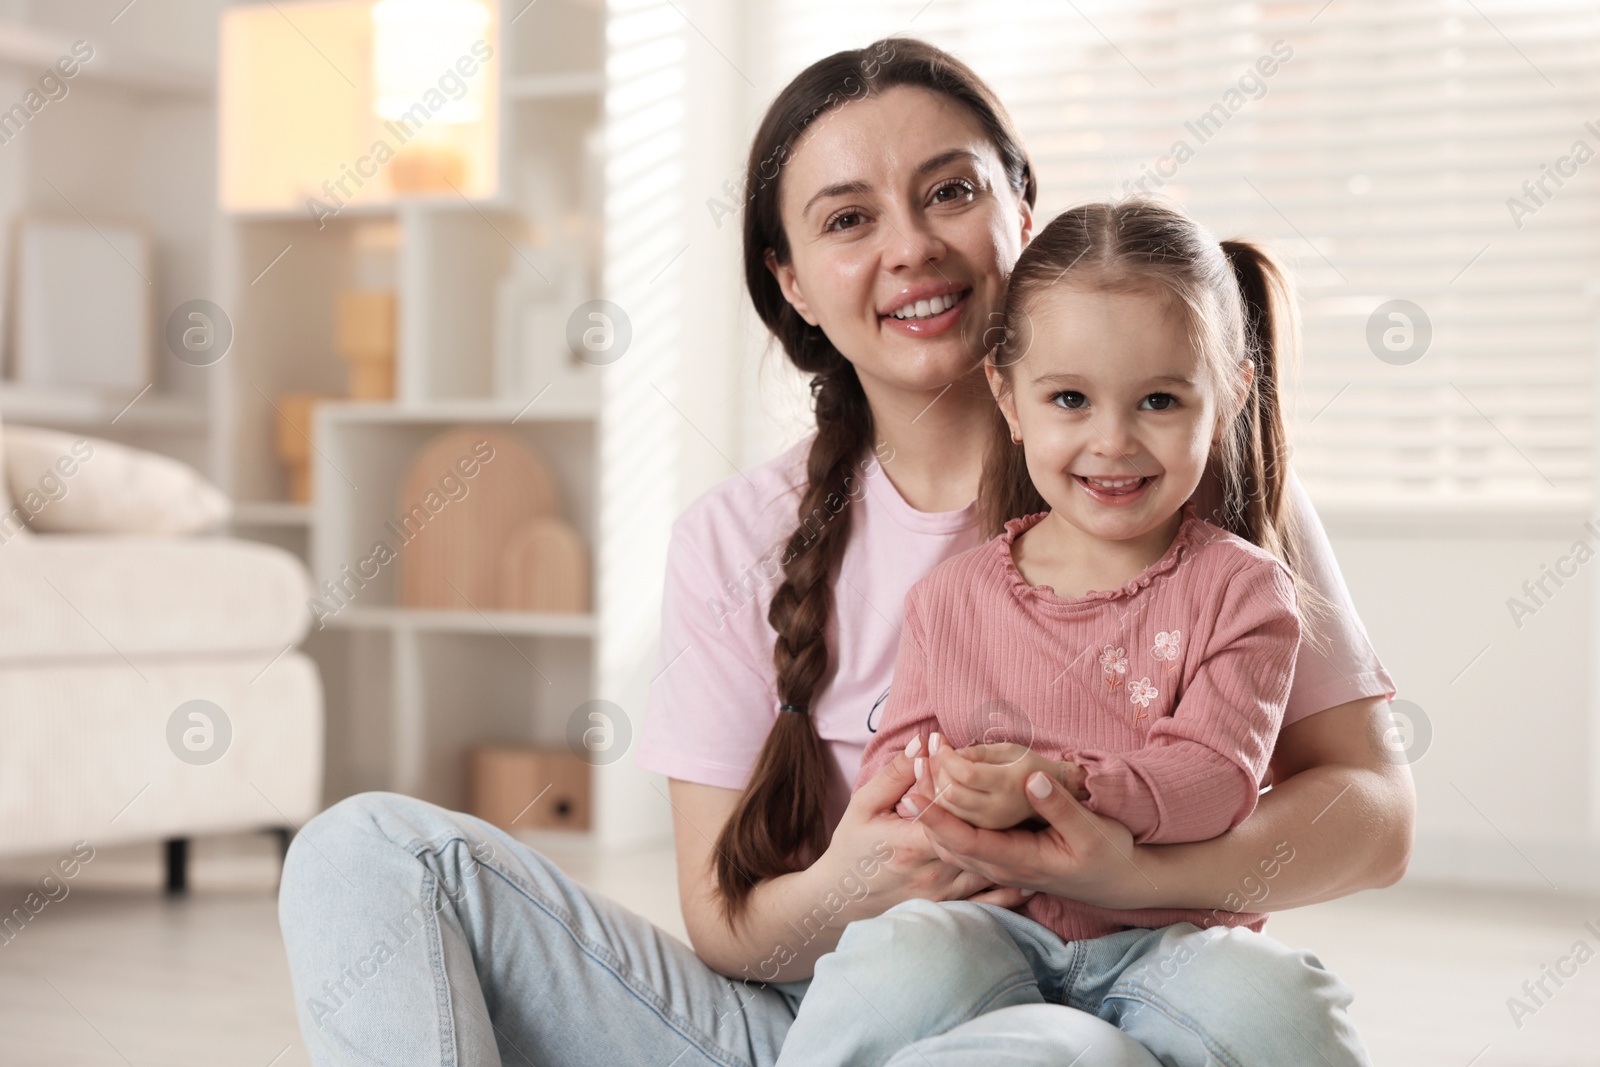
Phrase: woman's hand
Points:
(983, 784)
(1080, 854)
(871, 836)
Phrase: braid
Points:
(779, 825)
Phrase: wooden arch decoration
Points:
(458, 538)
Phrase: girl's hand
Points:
(872, 837)
(983, 784)
(1079, 854)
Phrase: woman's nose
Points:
(910, 241)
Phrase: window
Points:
(1444, 154)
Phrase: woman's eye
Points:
(953, 192)
(1071, 400)
(1159, 402)
(844, 220)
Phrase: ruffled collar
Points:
(1189, 537)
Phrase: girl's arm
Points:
(1343, 808)
(1199, 769)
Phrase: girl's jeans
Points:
(1188, 996)
(417, 935)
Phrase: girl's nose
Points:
(1110, 435)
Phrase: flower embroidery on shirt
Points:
(1142, 693)
(1167, 647)
(1114, 662)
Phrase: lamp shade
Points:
(416, 45)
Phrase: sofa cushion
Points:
(71, 483)
(89, 753)
(13, 523)
(116, 597)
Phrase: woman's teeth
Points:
(926, 309)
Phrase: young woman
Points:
(882, 181)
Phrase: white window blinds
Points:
(1441, 153)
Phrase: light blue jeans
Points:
(1186, 996)
(417, 935)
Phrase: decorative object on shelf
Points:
(294, 439)
(543, 567)
(525, 788)
(83, 314)
(545, 285)
(412, 41)
(365, 337)
(466, 494)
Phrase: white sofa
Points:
(105, 634)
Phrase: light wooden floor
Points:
(114, 974)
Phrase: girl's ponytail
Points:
(1255, 456)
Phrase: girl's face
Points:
(1116, 411)
(902, 228)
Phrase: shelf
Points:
(449, 201)
(557, 405)
(33, 52)
(271, 513)
(429, 620)
(88, 408)
(555, 86)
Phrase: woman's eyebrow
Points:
(839, 189)
(852, 188)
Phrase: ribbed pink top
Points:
(1169, 691)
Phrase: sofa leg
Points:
(177, 865)
(284, 834)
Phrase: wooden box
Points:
(523, 788)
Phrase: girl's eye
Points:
(1071, 400)
(1159, 402)
(959, 189)
(843, 217)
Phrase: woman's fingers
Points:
(1003, 896)
(884, 789)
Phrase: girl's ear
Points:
(789, 285)
(1242, 384)
(1002, 395)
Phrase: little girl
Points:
(1109, 637)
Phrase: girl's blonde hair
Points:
(1238, 305)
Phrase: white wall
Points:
(1506, 791)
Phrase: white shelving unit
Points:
(409, 690)
(145, 112)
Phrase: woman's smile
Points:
(927, 311)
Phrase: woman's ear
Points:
(789, 285)
(1025, 210)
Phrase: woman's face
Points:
(902, 228)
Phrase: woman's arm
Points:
(875, 860)
(1340, 804)
(1344, 807)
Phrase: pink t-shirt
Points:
(713, 695)
(1168, 690)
